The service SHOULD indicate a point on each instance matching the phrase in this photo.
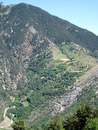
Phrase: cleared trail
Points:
(5, 111)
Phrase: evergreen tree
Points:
(55, 124)
(92, 124)
(78, 120)
(19, 124)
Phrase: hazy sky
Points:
(83, 13)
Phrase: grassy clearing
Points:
(25, 104)
(57, 54)
(82, 61)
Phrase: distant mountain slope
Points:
(42, 59)
(56, 29)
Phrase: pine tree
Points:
(19, 124)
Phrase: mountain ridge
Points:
(42, 57)
(40, 19)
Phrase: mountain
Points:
(47, 65)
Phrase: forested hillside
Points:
(84, 118)
(47, 65)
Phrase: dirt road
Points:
(6, 122)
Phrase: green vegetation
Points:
(19, 125)
(46, 84)
(84, 118)
(54, 28)
(42, 57)
(92, 124)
